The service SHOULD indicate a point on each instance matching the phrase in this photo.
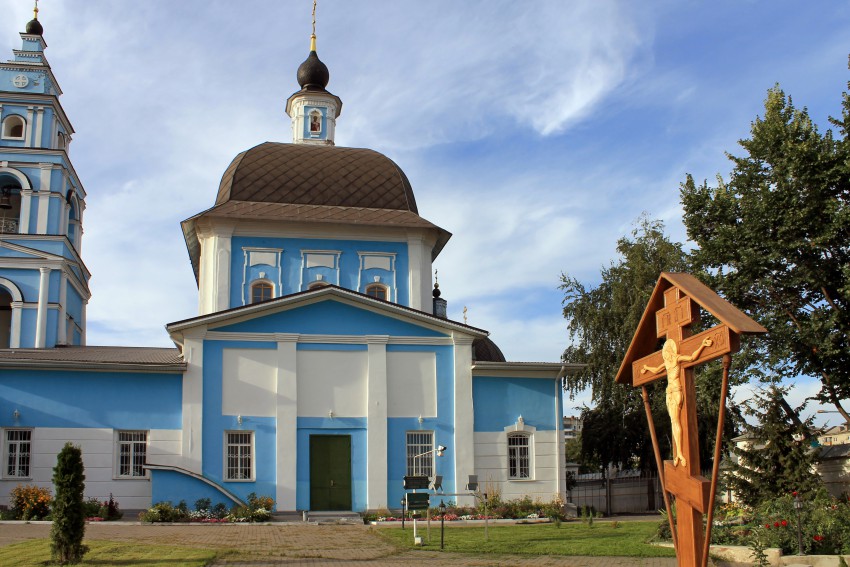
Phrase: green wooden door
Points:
(330, 472)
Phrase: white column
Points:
(41, 314)
(376, 423)
(43, 198)
(419, 273)
(63, 218)
(26, 207)
(193, 403)
(214, 269)
(15, 334)
(464, 450)
(62, 337)
(287, 423)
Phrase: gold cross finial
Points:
(464, 314)
(436, 280)
(35, 10)
(313, 35)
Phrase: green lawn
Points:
(36, 553)
(600, 539)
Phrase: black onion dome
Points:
(313, 73)
(485, 350)
(34, 27)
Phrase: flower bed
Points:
(259, 509)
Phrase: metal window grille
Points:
(239, 450)
(419, 442)
(18, 447)
(132, 452)
(519, 460)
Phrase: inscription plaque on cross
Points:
(684, 351)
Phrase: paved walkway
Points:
(304, 544)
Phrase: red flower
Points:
(776, 524)
(794, 494)
(818, 538)
(767, 526)
(784, 523)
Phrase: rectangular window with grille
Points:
(18, 450)
(132, 453)
(239, 451)
(519, 456)
(419, 442)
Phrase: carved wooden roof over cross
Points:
(646, 337)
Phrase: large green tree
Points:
(775, 239)
(776, 458)
(601, 322)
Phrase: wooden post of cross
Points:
(672, 310)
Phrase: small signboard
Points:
(418, 501)
(416, 482)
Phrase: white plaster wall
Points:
(332, 380)
(412, 384)
(99, 455)
(491, 465)
(249, 382)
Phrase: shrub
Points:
(91, 508)
(30, 502)
(162, 512)
(203, 504)
(69, 522)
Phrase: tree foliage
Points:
(776, 240)
(601, 321)
(777, 458)
(69, 522)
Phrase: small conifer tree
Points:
(69, 522)
(779, 458)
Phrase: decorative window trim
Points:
(520, 429)
(8, 444)
(318, 284)
(309, 256)
(424, 465)
(135, 440)
(310, 114)
(236, 472)
(257, 283)
(517, 461)
(7, 127)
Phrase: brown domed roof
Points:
(485, 350)
(305, 174)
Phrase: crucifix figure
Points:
(673, 309)
(673, 365)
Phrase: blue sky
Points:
(536, 132)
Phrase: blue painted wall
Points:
(498, 402)
(215, 424)
(355, 427)
(172, 486)
(443, 426)
(291, 262)
(97, 399)
(330, 317)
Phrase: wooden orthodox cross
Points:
(673, 308)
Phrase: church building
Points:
(321, 368)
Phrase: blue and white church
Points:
(321, 368)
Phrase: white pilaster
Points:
(62, 338)
(464, 432)
(15, 334)
(83, 323)
(193, 403)
(30, 126)
(39, 126)
(41, 314)
(419, 274)
(376, 423)
(26, 207)
(43, 198)
(214, 271)
(287, 423)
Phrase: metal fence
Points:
(625, 494)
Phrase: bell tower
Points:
(43, 281)
(313, 109)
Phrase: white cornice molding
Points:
(326, 339)
(552, 370)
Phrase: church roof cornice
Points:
(41, 67)
(66, 163)
(95, 359)
(35, 99)
(237, 314)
